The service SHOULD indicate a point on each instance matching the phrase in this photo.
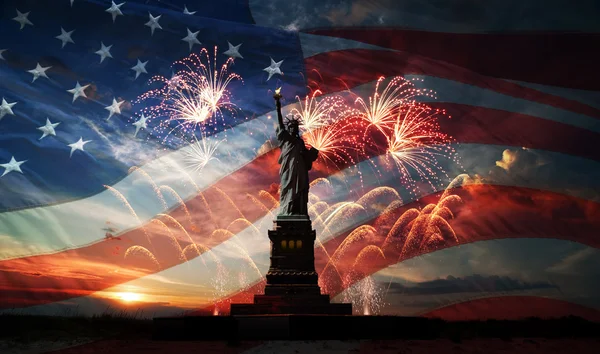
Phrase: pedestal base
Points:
(313, 305)
(292, 282)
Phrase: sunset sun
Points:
(129, 297)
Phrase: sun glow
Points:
(129, 297)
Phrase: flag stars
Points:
(65, 37)
(48, 129)
(12, 166)
(233, 51)
(273, 68)
(115, 10)
(141, 123)
(78, 91)
(78, 146)
(39, 71)
(153, 23)
(22, 19)
(104, 52)
(191, 38)
(114, 108)
(6, 108)
(186, 11)
(140, 68)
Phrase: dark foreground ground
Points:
(33, 334)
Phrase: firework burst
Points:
(316, 112)
(337, 142)
(382, 109)
(416, 142)
(194, 97)
(201, 152)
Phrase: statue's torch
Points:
(277, 95)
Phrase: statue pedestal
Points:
(292, 282)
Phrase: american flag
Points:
(94, 210)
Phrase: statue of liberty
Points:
(295, 160)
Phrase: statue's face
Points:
(294, 131)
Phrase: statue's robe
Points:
(295, 160)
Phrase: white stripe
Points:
(313, 44)
(436, 16)
(58, 227)
(588, 97)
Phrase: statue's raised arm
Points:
(277, 98)
(295, 160)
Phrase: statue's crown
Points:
(293, 121)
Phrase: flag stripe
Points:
(481, 125)
(516, 56)
(591, 98)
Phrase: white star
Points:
(12, 165)
(48, 129)
(115, 107)
(2, 51)
(115, 10)
(104, 52)
(139, 68)
(22, 19)
(233, 51)
(39, 71)
(78, 145)
(65, 37)
(6, 108)
(273, 68)
(72, 2)
(141, 123)
(187, 12)
(191, 38)
(153, 23)
(78, 91)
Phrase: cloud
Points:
(128, 150)
(578, 262)
(508, 158)
(518, 164)
(468, 284)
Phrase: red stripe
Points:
(471, 124)
(485, 213)
(513, 308)
(76, 272)
(557, 59)
(339, 70)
